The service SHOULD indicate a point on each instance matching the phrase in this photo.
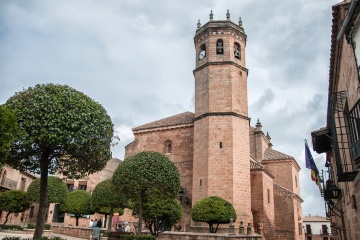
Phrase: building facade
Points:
(340, 138)
(317, 228)
(216, 150)
(11, 179)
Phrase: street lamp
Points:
(332, 192)
(335, 191)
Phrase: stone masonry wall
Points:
(262, 204)
(181, 154)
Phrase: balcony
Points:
(342, 134)
(353, 120)
(8, 184)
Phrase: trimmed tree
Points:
(60, 130)
(57, 191)
(14, 201)
(213, 210)
(78, 203)
(140, 175)
(159, 213)
(106, 200)
(8, 128)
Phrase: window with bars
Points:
(353, 120)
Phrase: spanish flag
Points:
(311, 165)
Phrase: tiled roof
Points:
(182, 118)
(315, 219)
(271, 154)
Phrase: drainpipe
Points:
(347, 18)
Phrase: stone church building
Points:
(216, 150)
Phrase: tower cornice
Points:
(221, 63)
(220, 27)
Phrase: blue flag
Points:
(311, 165)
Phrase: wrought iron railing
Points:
(353, 120)
(8, 183)
(339, 133)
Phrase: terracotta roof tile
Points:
(182, 118)
(315, 219)
(271, 154)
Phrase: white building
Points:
(317, 228)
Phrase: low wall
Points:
(205, 236)
(79, 232)
(46, 233)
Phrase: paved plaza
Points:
(12, 234)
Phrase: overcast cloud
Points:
(136, 58)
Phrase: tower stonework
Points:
(221, 164)
(216, 150)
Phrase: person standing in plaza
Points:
(99, 223)
(91, 223)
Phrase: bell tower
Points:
(221, 164)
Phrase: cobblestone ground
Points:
(8, 234)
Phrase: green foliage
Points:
(61, 130)
(61, 126)
(14, 201)
(31, 226)
(8, 127)
(104, 196)
(144, 172)
(159, 213)
(106, 210)
(78, 203)
(11, 227)
(47, 226)
(57, 190)
(213, 210)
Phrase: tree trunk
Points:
(140, 213)
(77, 219)
(7, 216)
(105, 220)
(110, 218)
(40, 220)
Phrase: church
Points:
(216, 150)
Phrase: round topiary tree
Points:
(14, 201)
(142, 174)
(159, 213)
(57, 190)
(78, 203)
(8, 128)
(61, 130)
(105, 199)
(213, 210)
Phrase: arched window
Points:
(202, 52)
(168, 146)
(219, 46)
(237, 50)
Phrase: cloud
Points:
(136, 58)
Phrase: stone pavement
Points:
(12, 234)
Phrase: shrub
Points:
(140, 237)
(11, 227)
(47, 226)
(31, 226)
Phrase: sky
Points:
(136, 57)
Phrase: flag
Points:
(311, 165)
